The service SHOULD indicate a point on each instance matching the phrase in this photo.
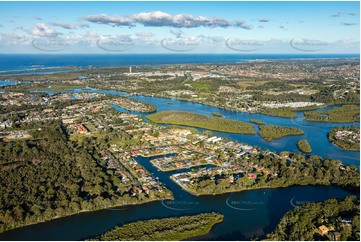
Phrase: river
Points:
(246, 214)
(7, 83)
(314, 132)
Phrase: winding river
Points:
(248, 214)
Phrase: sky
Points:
(180, 27)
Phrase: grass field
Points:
(80, 137)
(201, 86)
(202, 121)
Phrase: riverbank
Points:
(215, 114)
(310, 183)
(120, 205)
(345, 138)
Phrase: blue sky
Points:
(183, 27)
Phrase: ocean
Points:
(17, 62)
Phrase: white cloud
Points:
(13, 39)
(162, 19)
(243, 25)
(177, 33)
(110, 20)
(349, 24)
(63, 25)
(84, 25)
(145, 34)
(41, 29)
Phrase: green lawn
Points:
(201, 86)
(79, 137)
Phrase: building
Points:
(80, 128)
(323, 229)
(252, 176)
(182, 178)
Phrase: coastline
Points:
(248, 58)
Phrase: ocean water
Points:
(35, 61)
